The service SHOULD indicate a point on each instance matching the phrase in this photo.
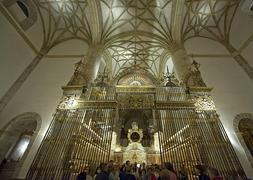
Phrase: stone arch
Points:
(141, 72)
(236, 123)
(33, 115)
(19, 131)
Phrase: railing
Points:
(171, 94)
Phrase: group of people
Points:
(128, 171)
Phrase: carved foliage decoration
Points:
(67, 102)
(204, 103)
(193, 78)
(135, 101)
(78, 77)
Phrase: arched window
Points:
(246, 129)
(23, 7)
(16, 140)
(243, 125)
(20, 147)
(23, 11)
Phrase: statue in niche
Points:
(78, 77)
(134, 126)
(102, 78)
(134, 158)
(193, 78)
(135, 151)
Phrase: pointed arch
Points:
(236, 124)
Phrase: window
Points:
(23, 11)
(20, 148)
(23, 7)
(246, 129)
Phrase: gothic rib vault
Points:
(127, 36)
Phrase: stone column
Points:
(87, 69)
(187, 71)
(182, 63)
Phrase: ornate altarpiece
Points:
(188, 126)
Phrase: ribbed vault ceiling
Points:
(136, 33)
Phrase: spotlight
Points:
(117, 149)
(72, 102)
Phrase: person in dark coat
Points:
(201, 171)
(214, 174)
(183, 174)
(81, 176)
(122, 173)
(103, 175)
(129, 175)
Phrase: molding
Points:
(201, 89)
(246, 43)
(97, 104)
(64, 56)
(236, 122)
(72, 87)
(6, 98)
(210, 55)
(174, 104)
(135, 89)
(55, 56)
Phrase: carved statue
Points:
(193, 77)
(78, 77)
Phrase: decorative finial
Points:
(168, 77)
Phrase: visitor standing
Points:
(214, 174)
(168, 171)
(98, 170)
(103, 175)
(201, 172)
(122, 173)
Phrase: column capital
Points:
(96, 47)
(186, 70)
(86, 69)
(176, 47)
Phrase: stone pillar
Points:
(87, 69)
(93, 60)
(187, 71)
(182, 63)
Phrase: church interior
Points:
(83, 82)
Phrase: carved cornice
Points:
(200, 89)
(174, 104)
(97, 104)
(135, 89)
(72, 87)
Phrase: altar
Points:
(135, 152)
